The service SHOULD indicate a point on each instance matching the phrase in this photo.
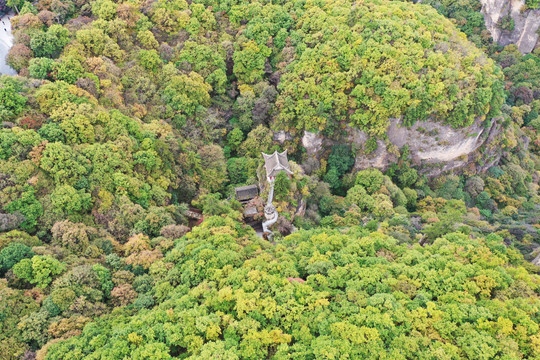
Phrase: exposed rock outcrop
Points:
(526, 24)
(6, 42)
(434, 147)
(282, 136)
(536, 260)
(431, 142)
(312, 142)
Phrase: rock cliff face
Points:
(6, 41)
(525, 32)
(435, 148)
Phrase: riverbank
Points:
(6, 42)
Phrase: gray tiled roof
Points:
(246, 192)
(275, 163)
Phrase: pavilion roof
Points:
(276, 163)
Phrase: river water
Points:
(6, 41)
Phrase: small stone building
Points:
(246, 193)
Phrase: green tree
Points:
(16, 236)
(449, 216)
(12, 102)
(147, 40)
(33, 329)
(12, 254)
(149, 59)
(340, 161)
(333, 179)
(104, 9)
(16, 4)
(282, 185)
(258, 140)
(411, 196)
(358, 195)
(39, 270)
(341, 158)
(213, 170)
(69, 201)
(187, 94)
(170, 21)
(41, 68)
(28, 8)
(63, 164)
(249, 62)
(105, 277)
(206, 61)
(52, 96)
(238, 171)
(51, 42)
(407, 177)
(67, 69)
(28, 206)
(370, 179)
(235, 138)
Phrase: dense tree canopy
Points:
(363, 64)
(356, 294)
(130, 124)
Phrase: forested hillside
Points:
(128, 117)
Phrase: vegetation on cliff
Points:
(362, 64)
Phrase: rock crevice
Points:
(526, 24)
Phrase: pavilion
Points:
(276, 163)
